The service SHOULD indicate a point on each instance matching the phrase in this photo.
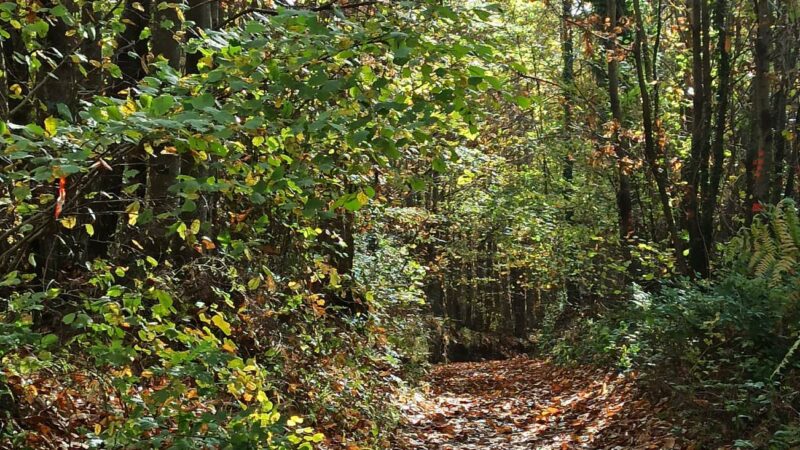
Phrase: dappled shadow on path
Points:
(532, 404)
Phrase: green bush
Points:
(724, 348)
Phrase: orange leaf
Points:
(62, 195)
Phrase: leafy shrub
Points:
(724, 348)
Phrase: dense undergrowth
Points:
(211, 355)
(723, 350)
(207, 355)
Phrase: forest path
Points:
(526, 404)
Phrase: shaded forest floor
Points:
(532, 404)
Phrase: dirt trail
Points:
(532, 404)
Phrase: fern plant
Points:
(770, 249)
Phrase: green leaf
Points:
(523, 102)
(49, 340)
(203, 101)
(162, 104)
(164, 299)
(439, 165)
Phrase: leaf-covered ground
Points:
(532, 404)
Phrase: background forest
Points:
(252, 224)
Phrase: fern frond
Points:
(770, 248)
(786, 358)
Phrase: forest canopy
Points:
(254, 224)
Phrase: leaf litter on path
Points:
(524, 403)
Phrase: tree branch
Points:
(274, 12)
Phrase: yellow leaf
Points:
(294, 420)
(222, 324)
(182, 230)
(229, 346)
(51, 126)
(69, 222)
(129, 108)
(97, 428)
(89, 229)
(133, 212)
(148, 148)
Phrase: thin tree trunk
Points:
(199, 12)
(760, 157)
(793, 169)
(131, 48)
(91, 47)
(697, 166)
(3, 84)
(711, 193)
(651, 154)
(17, 74)
(624, 202)
(59, 88)
(164, 168)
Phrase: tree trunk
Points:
(760, 157)
(786, 54)
(131, 48)
(91, 47)
(199, 12)
(59, 87)
(696, 171)
(624, 202)
(711, 193)
(518, 303)
(3, 83)
(651, 154)
(793, 169)
(164, 168)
